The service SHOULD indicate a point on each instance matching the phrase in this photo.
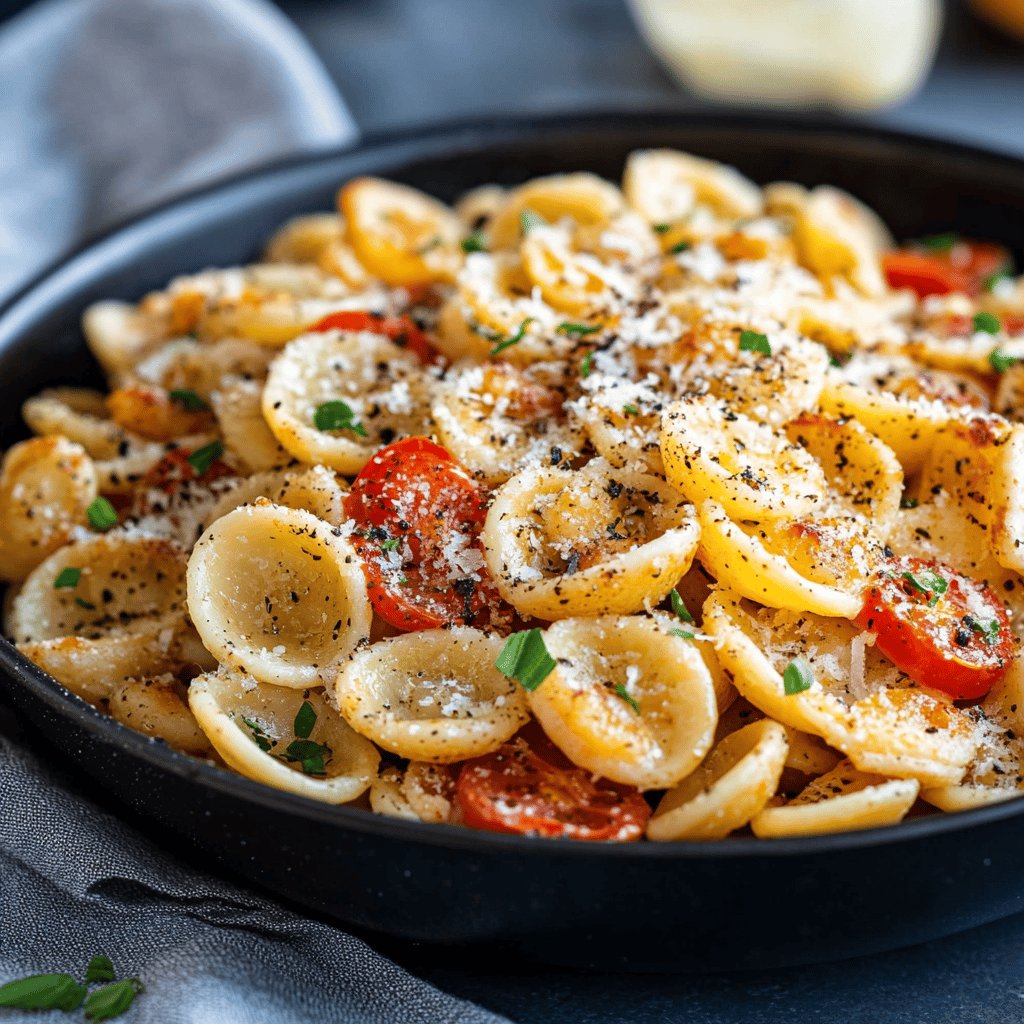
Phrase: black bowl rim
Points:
(480, 133)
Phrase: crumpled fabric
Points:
(76, 882)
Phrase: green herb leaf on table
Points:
(525, 658)
(43, 992)
(100, 969)
(112, 1000)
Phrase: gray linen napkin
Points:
(109, 106)
(75, 882)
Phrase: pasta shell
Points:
(433, 695)
(627, 700)
(303, 239)
(241, 717)
(158, 707)
(279, 594)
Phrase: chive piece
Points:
(680, 247)
(631, 410)
(87, 605)
(586, 363)
(1000, 361)
(623, 694)
(203, 458)
(993, 281)
(797, 677)
(305, 719)
(189, 400)
(752, 341)
(679, 606)
(525, 658)
(337, 415)
(474, 242)
(259, 737)
(578, 330)
(909, 503)
(514, 339)
(528, 220)
(101, 514)
(390, 544)
(662, 229)
(942, 242)
(67, 578)
(987, 323)
(112, 1000)
(685, 634)
(43, 992)
(100, 969)
(484, 332)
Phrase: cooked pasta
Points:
(681, 510)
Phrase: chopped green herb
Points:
(112, 1000)
(833, 360)
(203, 458)
(528, 220)
(100, 969)
(624, 694)
(909, 503)
(67, 578)
(993, 281)
(1000, 361)
(189, 400)
(662, 229)
(927, 582)
(525, 658)
(514, 339)
(101, 514)
(305, 719)
(259, 737)
(390, 544)
(43, 992)
(631, 410)
(680, 246)
(337, 415)
(940, 243)
(987, 323)
(684, 633)
(474, 242)
(310, 755)
(586, 363)
(87, 605)
(679, 608)
(752, 341)
(578, 330)
(797, 677)
(429, 245)
(989, 630)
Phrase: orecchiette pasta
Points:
(562, 503)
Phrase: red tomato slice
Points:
(964, 267)
(946, 631)
(420, 515)
(515, 790)
(402, 330)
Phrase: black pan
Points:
(681, 906)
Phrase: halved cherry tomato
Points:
(516, 790)
(174, 469)
(402, 330)
(420, 515)
(946, 631)
(957, 326)
(964, 267)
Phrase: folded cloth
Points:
(76, 882)
(110, 106)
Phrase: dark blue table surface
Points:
(411, 62)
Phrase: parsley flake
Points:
(87, 605)
(683, 634)
(189, 400)
(578, 330)
(993, 281)
(203, 458)
(474, 242)
(987, 323)
(586, 364)
(259, 737)
(337, 415)
(101, 514)
(797, 677)
(305, 719)
(525, 658)
(390, 544)
(927, 582)
(1000, 361)
(662, 229)
(67, 578)
(514, 339)
(909, 503)
(679, 608)
(940, 243)
(310, 755)
(631, 410)
(752, 341)
(112, 1000)
(680, 247)
(43, 992)
(528, 220)
(623, 694)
